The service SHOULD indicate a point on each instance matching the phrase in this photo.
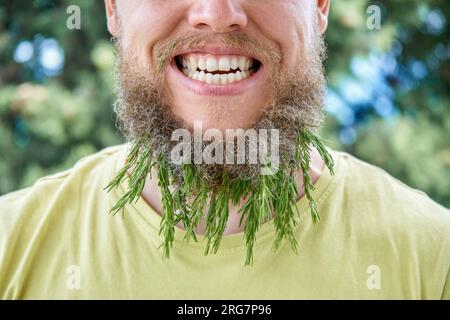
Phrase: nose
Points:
(217, 15)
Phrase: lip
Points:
(217, 51)
(204, 89)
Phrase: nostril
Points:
(202, 25)
(234, 26)
(218, 28)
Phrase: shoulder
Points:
(49, 187)
(402, 227)
(24, 210)
(374, 182)
(39, 221)
(383, 201)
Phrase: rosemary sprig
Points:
(285, 206)
(217, 218)
(258, 208)
(193, 214)
(140, 165)
(197, 211)
(319, 144)
(305, 140)
(186, 202)
(168, 220)
(240, 190)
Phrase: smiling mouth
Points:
(217, 69)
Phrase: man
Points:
(198, 229)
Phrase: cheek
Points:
(288, 24)
(147, 24)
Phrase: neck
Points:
(152, 195)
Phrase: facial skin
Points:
(281, 35)
(286, 26)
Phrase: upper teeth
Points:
(216, 63)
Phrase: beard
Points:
(295, 112)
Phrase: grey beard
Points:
(142, 110)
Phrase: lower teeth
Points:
(210, 78)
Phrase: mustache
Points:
(269, 55)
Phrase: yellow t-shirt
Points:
(377, 239)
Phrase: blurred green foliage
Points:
(389, 89)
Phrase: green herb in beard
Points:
(186, 202)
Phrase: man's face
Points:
(222, 59)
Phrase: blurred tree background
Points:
(388, 100)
